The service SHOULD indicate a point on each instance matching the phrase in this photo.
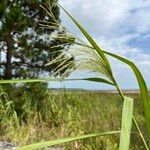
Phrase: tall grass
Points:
(93, 58)
(68, 113)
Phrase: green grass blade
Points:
(20, 81)
(126, 123)
(102, 80)
(27, 80)
(54, 79)
(90, 39)
(64, 140)
(143, 89)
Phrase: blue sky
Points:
(119, 26)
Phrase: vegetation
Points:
(92, 58)
(63, 114)
(26, 45)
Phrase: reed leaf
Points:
(20, 81)
(142, 86)
(102, 80)
(126, 123)
(29, 80)
(65, 140)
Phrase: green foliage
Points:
(27, 46)
(126, 123)
(70, 114)
(8, 115)
(27, 98)
(94, 59)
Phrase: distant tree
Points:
(25, 48)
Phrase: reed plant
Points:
(89, 56)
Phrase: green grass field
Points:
(59, 114)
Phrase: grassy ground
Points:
(28, 119)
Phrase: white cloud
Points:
(113, 24)
(105, 16)
(98, 16)
(140, 21)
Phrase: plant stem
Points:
(140, 133)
